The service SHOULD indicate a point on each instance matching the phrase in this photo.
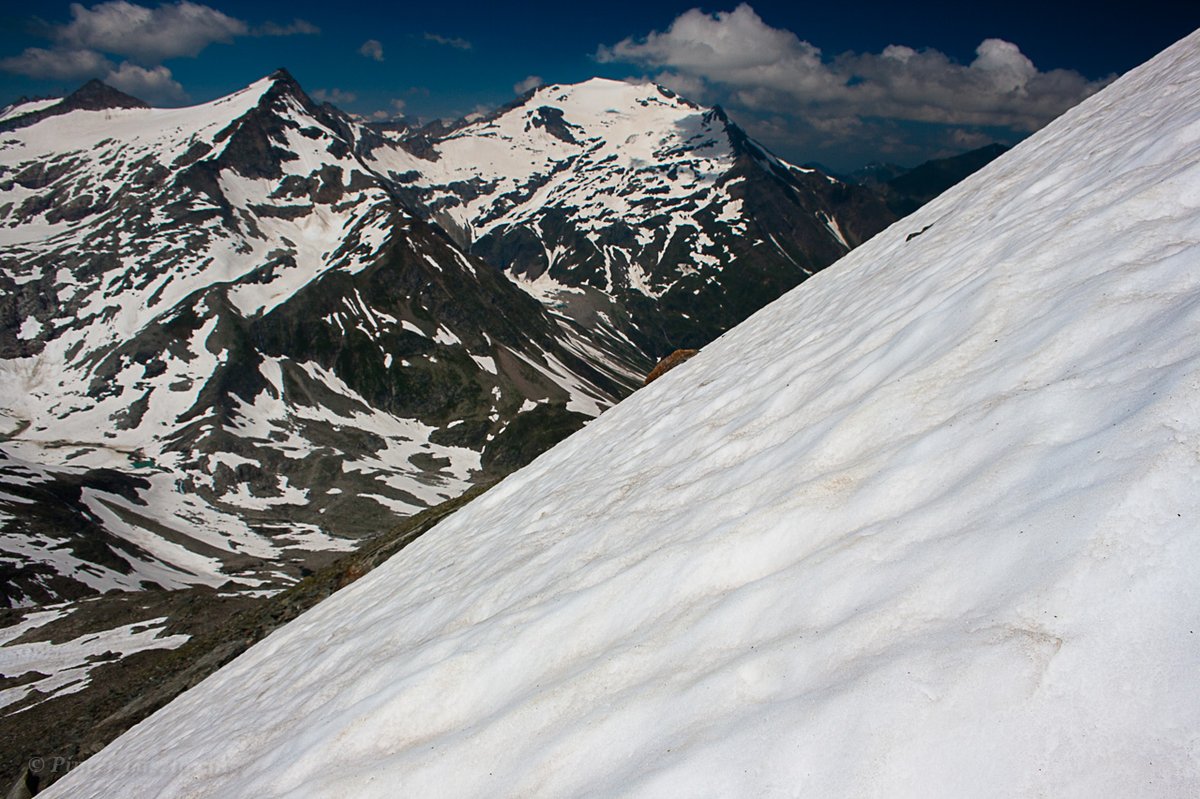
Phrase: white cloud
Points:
(372, 49)
(759, 68)
(335, 96)
(154, 85)
(531, 82)
(59, 64)
(148, 35)
(455, 42)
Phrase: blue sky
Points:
(837, 83)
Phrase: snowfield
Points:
(939, 540)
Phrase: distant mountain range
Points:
(908, 188)
(237, 337)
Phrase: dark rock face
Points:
(54, 508)
(97, 96)
(552, 120)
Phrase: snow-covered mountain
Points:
(239, 335)
(924, 527)
(648, 222)
(226, 347)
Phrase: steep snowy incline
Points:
(939, 540)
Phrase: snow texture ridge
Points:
(941, 541)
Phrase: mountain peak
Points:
(281, 83)
(95, 95)
(284, 80)
(610, 93)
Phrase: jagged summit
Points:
(924, 527)
(283, 83)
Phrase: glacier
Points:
(939, 540)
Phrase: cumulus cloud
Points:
(155, 85)
(531, 82)
(148, 35)
(371, 49)
(734, 47)
(1001, 87)
(58, 64)
(335, 96)
(143, 36)
(744, 62)
(455, 42)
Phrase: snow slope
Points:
(939, 541)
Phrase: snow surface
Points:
(925, 527)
